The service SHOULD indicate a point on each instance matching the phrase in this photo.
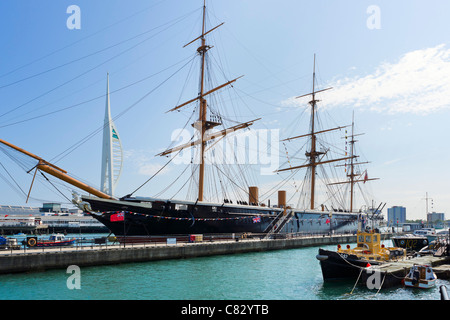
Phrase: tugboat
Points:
(55, 240)
(347, 263)
(420, 276)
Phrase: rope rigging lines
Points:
(148, 34)
(227, 180)
(104, 62)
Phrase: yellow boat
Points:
(369, 247)
(347, 263)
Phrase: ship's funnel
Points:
(281, 199)
(253, 196)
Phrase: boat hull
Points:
(151, 218)
(410, 243)
(34, 242)
(339, 266)
(56, 243)
(421, 284)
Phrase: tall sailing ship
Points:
(142, 218)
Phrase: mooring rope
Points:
(357, 280)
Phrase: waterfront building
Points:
(396, 215)
(435, 216)
(51, 217)
(51, 207)
(18, 210)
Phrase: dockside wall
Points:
(31, 260)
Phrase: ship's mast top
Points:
(313, 101)
(203, 108)
(202, 124)
(313, 154)
(353, 175)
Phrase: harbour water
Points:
(275, 275)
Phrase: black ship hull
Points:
(148, 217)
(336, 266)
(410, 243)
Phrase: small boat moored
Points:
(429, 233)
(55, 240)
(420, 276)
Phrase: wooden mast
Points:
(352, 175)
(352, 171)
(202, 112)
(203, 125)
(313, 154)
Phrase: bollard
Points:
(444, 294)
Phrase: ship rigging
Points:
(317, 157)
(211, 212)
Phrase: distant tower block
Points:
(253, 195)
(112, 154)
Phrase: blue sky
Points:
(396, 79)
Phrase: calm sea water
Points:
(277, 275)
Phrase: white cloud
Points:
(144, 161)
(419, 83)
(150, 169)
(393, 161)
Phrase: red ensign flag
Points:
(117, 217)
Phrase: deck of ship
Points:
(392, 273)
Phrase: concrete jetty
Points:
(394, 272)
(29, 260)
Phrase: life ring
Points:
(366, 246)
(31, 242)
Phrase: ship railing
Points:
(86, 243)
(307, 234)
